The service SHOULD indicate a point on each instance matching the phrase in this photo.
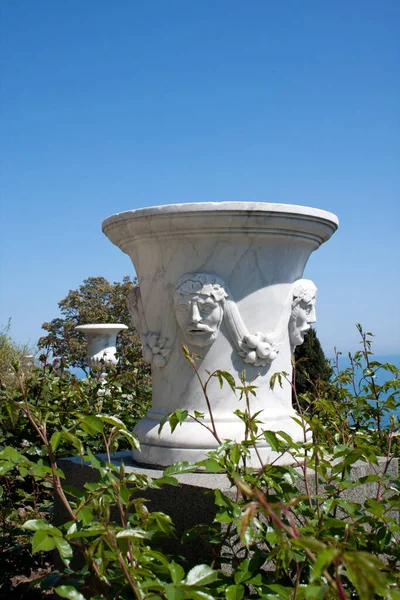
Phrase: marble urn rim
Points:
(216, 218)
(89, 327)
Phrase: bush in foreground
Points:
(299, 537)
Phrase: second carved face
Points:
(303, 310)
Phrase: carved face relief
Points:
(200, 318)
(303, 310)
(198, 307)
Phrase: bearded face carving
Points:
(199, 307)
(303, 310)
(202, 301)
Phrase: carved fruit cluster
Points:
(259, 349)
(154, 351)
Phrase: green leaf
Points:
(179, 467)
(10, 453)
(224, 516)
(350, 507)
(201, 575)
(134, 534)
(92, 424)
(177, 418)
(243, 571)
(273, 379)
(42, 542)
(68, 591)
(132, 439)
(364, 571)
(246, 532)
(181, 414)
(85, 515)
(309, 542)
(41, 525)
(375, 507)
(95, 461)
(111, 420)
(97, 529)
(234, 454)
(279, 592)
(73, 491)
(39, 470)
(314, 592)
(55, 439)
(234, 592)
(13, 412)
(233, 510)
(174, 593)
(383, 537)
(194, 594)
(324, 559)
(74, 440)
(167, 481)
(272, 440)
(162, 422)
(64, 550)
(287, 439)
(370, 479)
(162, 521)
(221, 375)
(6, 467)
(177, 572)
(211, 465)
(125, 494)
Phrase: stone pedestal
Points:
(188, 505)
(193, 502)
(224, 279)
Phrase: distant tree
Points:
(95, 301)
(14, 358)
(312, 367)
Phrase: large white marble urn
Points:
(224, 279)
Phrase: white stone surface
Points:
(102, 340)
(219, 278)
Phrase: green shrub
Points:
(12, 354)
(300, 537)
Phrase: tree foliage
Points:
(95, 301)
(13, 354)
(312, 366)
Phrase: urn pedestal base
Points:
(191, 442)
(193, 502)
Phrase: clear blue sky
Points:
(115, 106)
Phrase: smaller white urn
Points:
(102, 341)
